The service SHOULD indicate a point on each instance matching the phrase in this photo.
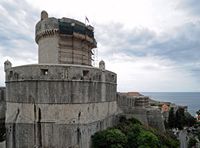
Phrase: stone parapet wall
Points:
(155, 119)
(60, 84)
(56, 72)
(141, 101)
(139, 108)
(124, 101)
(130, 102)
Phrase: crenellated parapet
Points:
(64, 41)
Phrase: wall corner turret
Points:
(7, 65)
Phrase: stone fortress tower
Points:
(63, 100)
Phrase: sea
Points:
(190, 99)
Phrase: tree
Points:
(180, 118)
(132, 136)
(189, 120)
(147, 139)
(111, 138)
(2, 130)
(130, 133)
(171, 118)
(198, 112)
(192, 142)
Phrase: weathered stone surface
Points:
(155, 119)
(55, 135)
(41, 98)
(60, 113)
(63, 100)
(138, 107)
(2, 102)
(59, 84)
(64, 41)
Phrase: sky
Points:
(152, 45)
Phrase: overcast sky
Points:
(152, 45)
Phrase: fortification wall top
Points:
(59, 72)
(63, 26)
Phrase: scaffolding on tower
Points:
(95, 57)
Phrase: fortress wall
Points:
(56, 49)
(59, 102)
(64, 41)
(61, 84)
(60, 113)
(2, 103)
(55, 135)
(58, 105)
(48, 50)
(74, 50)
(138, 107)
(60, 92)
(125, 102)
(155, 119)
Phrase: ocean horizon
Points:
(190, 99)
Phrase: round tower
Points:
(64, 41)
(62, 101)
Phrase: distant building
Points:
(165, 108)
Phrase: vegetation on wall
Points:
(130, 133)
(2, 130)
(192, 142)
(179, 119)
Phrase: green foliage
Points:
(189, 120)
(167, 139)
(130, 133)
(2, 130)
(133, 135)
(179, 119)
(198, 112)
(127, 125)
(171, 118)
(111, 138)
(147, 139)
(192, 142)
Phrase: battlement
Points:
(64, 41)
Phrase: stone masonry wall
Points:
(2, 103)
(138, 107)
(58, 105)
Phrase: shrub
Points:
(192, 142)
(130, 133)
(147, 139)
(111, 138)
(2, 130)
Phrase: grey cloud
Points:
(181, 45)
(191, 6)
(17, 29)
(115, 38)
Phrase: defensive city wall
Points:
(63, 100)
